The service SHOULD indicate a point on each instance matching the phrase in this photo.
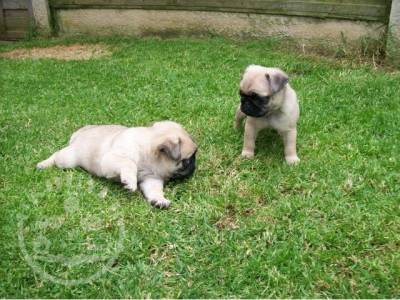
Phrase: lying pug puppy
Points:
(147, 156)
(267, 100)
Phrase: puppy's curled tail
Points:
(239, 117)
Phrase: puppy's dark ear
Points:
(277, 80)
(171, 148)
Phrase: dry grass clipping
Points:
(72, 52)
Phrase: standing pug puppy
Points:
(267, 100)
(147, 156)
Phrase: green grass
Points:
(329, 227)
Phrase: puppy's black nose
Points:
(185, 163)
(189, 165)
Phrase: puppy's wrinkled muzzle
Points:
(252, 110)
(188, 168)
(253, 105)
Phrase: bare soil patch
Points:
(71, 52)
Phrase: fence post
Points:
(41, 16)
(393, 40)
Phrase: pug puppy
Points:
(267, 100)
(144, 156)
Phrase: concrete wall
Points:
(393, 42)
(41, 15)
(141, 22)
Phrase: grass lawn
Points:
(329, 227)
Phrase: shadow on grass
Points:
(269, 143)
(113, 186)
(116, 188)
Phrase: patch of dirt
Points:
(71, 52)
(227, 222)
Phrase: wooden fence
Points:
(369, 10)
(15, 18)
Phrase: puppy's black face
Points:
(253, 104)
(187, 169)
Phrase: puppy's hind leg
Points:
(47, 163)
(238, 117)
(65, 158)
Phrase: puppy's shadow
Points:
(269, 143)
(117, 189)
(114, 187)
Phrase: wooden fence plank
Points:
(300, 7)
(17, 20)
(15, 4)
(220, 3)
(345, 9)
(2, 23)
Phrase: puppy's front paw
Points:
(160, 203)
(130, 183)
(131, 187)
(247, 154)
(292, 160)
